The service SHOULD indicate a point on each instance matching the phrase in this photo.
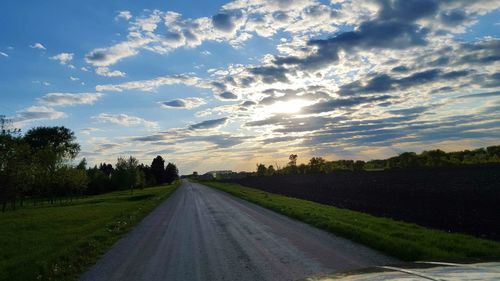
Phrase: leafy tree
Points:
(126, 173)
(316, 165)
(16, 176)
(261, 170)
(7, 127)
(82, 165)
(271, 171)
(158, 169)
(98, 182)
(172, 173)
(359, 165)
(16, 162)
(149, 178)
(107, 169)
(302, 169)
(60, 140)
(292, 164)
(70, 181)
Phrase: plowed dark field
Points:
(460, 199)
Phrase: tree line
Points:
(406, 160)
(128, 173)
(39, 166)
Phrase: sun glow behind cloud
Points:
(287, 107)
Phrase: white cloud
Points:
(63, 58)
(74, 78)
(186, 103)
(104, 71)
(4, 54)
(68, 99)
(39, 46)
(153, 84)
(206, 53)
(45, 83)
(126, 15)
(111, 55)
(148, 24)
(235, 23)
(88, 131)
(203, 113)
(36, 113)
(124, 120)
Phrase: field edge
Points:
(406, 241)
(76, 260)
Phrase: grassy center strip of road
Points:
(58, 242)
(403, 240)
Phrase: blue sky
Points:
(228, 84)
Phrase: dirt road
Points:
(204, 234)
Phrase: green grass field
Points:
(403, 240)
(61, 241)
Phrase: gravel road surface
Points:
(200, 233)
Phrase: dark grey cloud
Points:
(209, 124)
(407, 10)
(228, 96)
(288, 124)
(394, 28)
(151, 138)
(103, 147)
(400, 68)
(161, 152)
(223, 22)
(480, 95)
(269, 121)
(441, 61)
(219, 86)
(412, 111)
(247, 103)
(280, 16)
(482, 52)
(407, 128)
(306, 124)
(270, 74)
(492, 81)
(97, 56)
(171, 36)
(330, 105)
(383, 83)
(220, 141)
(174, 103)
(279, 139)
(453, 17)
(455, 74)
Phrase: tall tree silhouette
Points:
(172, 173)
(158, 169)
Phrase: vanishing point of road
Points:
(200, 233)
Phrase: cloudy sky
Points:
(225, 85)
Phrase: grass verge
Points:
(403, 240)
(60, 242)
